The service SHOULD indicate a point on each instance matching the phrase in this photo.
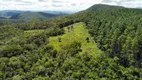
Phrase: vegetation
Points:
(103, 7)
(9, 13)
(26, 16)
(118, 36)
(79, 35)
(90, 45)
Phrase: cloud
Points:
(125, 3)
(131, 3)
(73, 4)
(108, 1)
(55, 5)
(42, 0)
(67, 5)
(58, 1)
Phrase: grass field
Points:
(79, 33)
(31, 32)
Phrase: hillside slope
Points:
(103, 7)
(9, 13)
(48, 54)
(53, 49)
(31, 15)
(79, 34)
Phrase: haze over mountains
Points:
(31, 15)
(28, 15)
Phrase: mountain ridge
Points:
(103, 7)
(30, 15)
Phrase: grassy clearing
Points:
(80, 33)
(32, 32)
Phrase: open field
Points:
(79, 33)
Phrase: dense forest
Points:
(26, 53)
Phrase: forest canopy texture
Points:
(26, 51)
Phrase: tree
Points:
(17, 77)
(87, 39)
(59, 39)
(72, 28)
(68, 28)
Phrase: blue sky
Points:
(62, 5)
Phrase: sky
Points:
(63, 5)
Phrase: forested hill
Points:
(9, 13)
(118, 33)
(88, 45)
(30, 15)
(103, 7)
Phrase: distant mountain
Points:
(27, 15)
(103, 7)
(9, 13)
(138, 7)
(57, 12)
(30, 15)
(3, 18)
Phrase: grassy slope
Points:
(32, 32)
(79, 34)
